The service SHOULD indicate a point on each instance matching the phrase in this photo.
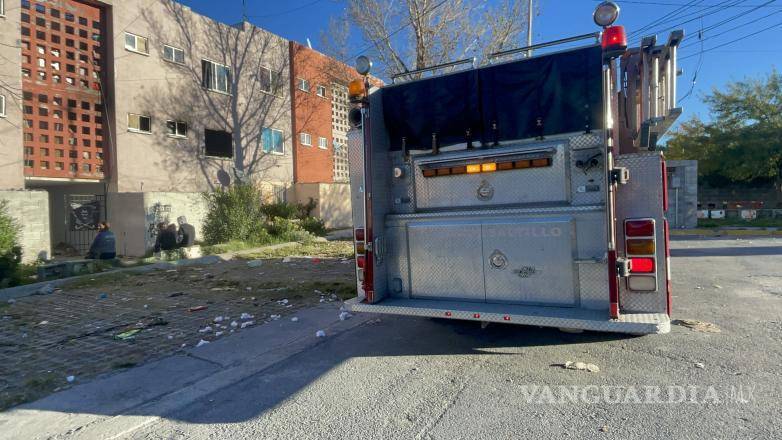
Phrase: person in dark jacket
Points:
(186, 233)
(104, 247)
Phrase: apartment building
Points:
(127, 110)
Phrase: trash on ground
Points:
(295, 319)
(320, 334)
(275, 317)
(246, 316)
(103, 295)
(218, 334)
(316, 260)
(247, 324)
(127, 335)
(698, 326)
(234, 324)
(43, 322)
(197, 308)
(70, 379)
(45, 290)
(286, 260)
(11, 301)
(344, 316)
(219, 319)
(200, 343)
(283, 301)
(206, 329)
(255, 263)
(221, 289)
(700, 365)
(175, 294)
(583, 366)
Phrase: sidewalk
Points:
(727, 231)
(153, 390)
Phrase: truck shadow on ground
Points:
(385, 340)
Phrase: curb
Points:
(702, 232)
(31, 289)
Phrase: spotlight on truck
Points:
(363, 65)
(606, 14)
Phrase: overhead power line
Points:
(744, 37)
(693, 6)
(728, 31)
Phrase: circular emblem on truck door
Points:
(485, 191)
(498, 260)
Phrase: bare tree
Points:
(334, 39)
(257, 95)
(406, 35)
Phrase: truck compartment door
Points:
(530, 261)
(446, 260)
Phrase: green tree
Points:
(10, 251)
(743, 141)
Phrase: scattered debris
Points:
(247, 324)
(316, 260)
(11, 301)
(255, 263)
(698, 326)
(286, 260)
(218, 334)
(175, 294)
(45, 290)
(283, 301)
(219, 319)
(248, 288)
(197, 308)
(221, 289)
(103, 295)
(146, 306)
(208, 275)
(127, 335)
(583, 366)
(344, 316)
(206, 329)
(43, 322)
(275, 317)
(700, 365)
(246, 316)
(70, 379)
(604, 428)
(699, 287)
(716, 286)
(320, 334)
(201, 343)
(234, 324)
(169, 337)
(295, 319)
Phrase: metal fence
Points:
(737, 213)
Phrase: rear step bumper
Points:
(596, 320)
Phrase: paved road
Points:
(398, 377)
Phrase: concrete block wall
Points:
(682, 193)
(134, 217)
(333, 202)
(31, 210)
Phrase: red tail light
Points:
(359, 234)
(476, 315)
(639, 228)
(614, 39)
(361, 261)
(642, 265)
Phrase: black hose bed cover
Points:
(541, 96)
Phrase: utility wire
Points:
(698, 17)
(288, 11)
(664, 17)
(727, 31)
(694, 6)
(736, 40)
(697, 68)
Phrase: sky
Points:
(754, 56)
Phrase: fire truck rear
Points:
(527, 191)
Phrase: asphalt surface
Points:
(401, 377)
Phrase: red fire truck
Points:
(529, 190)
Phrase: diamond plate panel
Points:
(646, 180)
(446, 261)
(632, 323)
(593, 285)
(513, 187)
(356, 166)
(397, 266)
(586, 140)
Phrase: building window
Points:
(215, 76)
(273, 141)
(28, 163)
(58, 166)
(176, 129)
(270, 80)
(323, 143)
(321, 91)
(139, 123)
(305, 139)
(218, 143)
(2, 106)
(134, 43)
(304, 85)
(73, 167)
(173, 54)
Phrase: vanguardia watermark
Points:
(640, 394)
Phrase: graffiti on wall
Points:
(158, 213)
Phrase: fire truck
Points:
(528, 190)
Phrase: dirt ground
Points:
(115, 321)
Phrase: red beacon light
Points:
(614, 39)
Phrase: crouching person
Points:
(104, 247)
